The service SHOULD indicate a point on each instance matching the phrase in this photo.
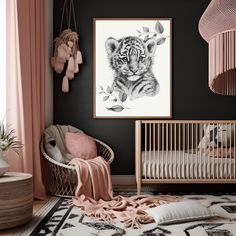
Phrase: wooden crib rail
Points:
(185, 151)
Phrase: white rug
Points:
(59, 218)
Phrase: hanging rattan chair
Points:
(61, 179)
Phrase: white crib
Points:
(181, 151)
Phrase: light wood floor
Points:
(9, 232)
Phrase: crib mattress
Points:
(183, 165)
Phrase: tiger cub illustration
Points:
(131, 58)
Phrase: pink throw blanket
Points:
(94, 180)
(94, 196)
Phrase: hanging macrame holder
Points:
(66, 48)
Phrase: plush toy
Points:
(66, 52)
(52, 149)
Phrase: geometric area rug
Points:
(59, 218)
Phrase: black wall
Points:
(191, 97)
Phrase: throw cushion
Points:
(81, 145)
(52, 149)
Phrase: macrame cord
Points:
(66, 47)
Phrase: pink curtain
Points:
(25, 84)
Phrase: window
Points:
(2, 59)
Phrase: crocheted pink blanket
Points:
(94, 196)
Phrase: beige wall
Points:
(48, 69)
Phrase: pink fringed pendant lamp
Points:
(218, 27)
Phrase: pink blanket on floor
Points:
(94, 196)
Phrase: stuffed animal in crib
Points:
(217, 135)
(66, 52)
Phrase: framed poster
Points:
(132, 68)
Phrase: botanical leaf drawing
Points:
(109, 89)
(146, 33)
(116, 108)
(159, 27)
(105, 98)
(117, 99)
(161, 41)
(145, 29)
(122, 96)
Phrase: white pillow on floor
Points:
(225, 210)
(179, 212)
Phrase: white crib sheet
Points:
(182, 165)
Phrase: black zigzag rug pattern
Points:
(60, 218)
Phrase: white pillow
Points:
(225, 210)
(179, 212)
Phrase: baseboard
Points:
(123, 180)
(128, 183)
